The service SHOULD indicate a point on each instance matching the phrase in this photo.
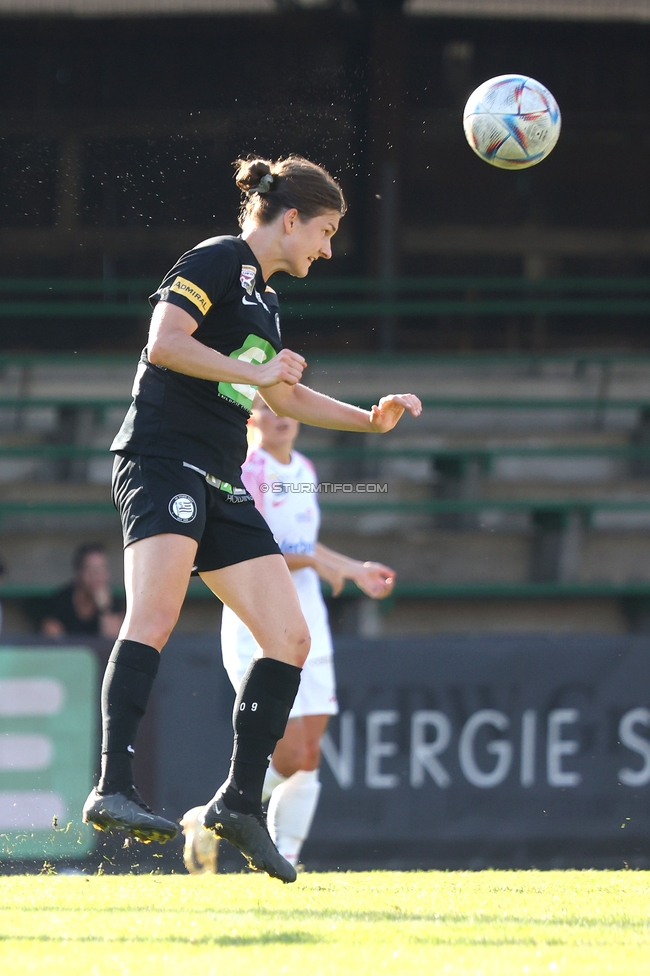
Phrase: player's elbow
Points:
(279, 410)
(160, 350)
(281, 405)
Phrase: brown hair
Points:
(270, 188)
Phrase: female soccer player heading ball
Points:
(214, 339)
(281, 482)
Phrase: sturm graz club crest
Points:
(182, 508)
(247, 278)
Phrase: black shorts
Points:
(157, 495)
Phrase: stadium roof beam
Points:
(602, 10)
(157, 8)
(597, 10)
(576, 10)
(134, 8)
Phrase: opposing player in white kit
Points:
(281, 481)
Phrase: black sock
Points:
(128, 680)
(265, 698)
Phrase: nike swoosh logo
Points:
(245, 302)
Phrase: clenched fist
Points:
(286, 367)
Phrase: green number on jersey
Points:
(254, 350)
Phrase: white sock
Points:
(291, 810)
(272, 779)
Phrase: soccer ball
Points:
(512, 121)
(201, 847)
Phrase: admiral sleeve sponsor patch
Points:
(192, 292)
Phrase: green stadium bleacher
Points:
(35, 440)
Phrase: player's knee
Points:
(291, 644)
(300, 645)
(157, 630)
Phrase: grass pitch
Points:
(492, 923)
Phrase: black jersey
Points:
(203, 422)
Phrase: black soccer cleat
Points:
(249, 835)
(129, 812)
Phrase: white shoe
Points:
(201, 846)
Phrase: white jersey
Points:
(284, 495)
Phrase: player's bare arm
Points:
(374, 579)
(328, 571)
(171, 344)
(310, 407)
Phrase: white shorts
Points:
(317, 691)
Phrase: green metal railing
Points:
(362, 506)
(632, 590)
(440, 506)
(119, 298)
(431, 403)
(56, 403)
(529, 361)
(321, 297)
(484, 456)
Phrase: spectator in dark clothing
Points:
(86, 605)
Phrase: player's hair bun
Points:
(250, 173)
(295, 183)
